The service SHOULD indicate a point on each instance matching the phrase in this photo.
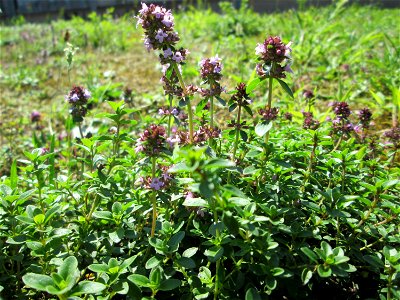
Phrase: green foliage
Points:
(305, 215)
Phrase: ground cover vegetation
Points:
(263, 164)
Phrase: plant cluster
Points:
(204, 200)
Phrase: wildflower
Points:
(151, 141)
(168, 53)
(161, 35)
(341, 110)
(269, 114)
(393, 135)
(365, 116)
(210, 69)
(158, 24)
(241, 97)
(275, 58)
(309, 121)
(308, 94)
(156, 184)
(78, 99)
(288, 116)
(36, 116)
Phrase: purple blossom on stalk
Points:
(365, 117)
(156, 184)
(210, 69)
(269, 114)
(393, 135)
(158, 24)
(341, 110)
(151, 141)
(78, 98)
(275, 58)
(309, 121)
(36, 116)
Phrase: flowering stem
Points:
(237, 133)
(189, 106)
(83, 158)
(338, 143)
(153, 197)
(169, 116)
(212, 112)
(269, 103)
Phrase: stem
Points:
(153, 197)
(343, 172)
(338, 143)
(237, 133)
(83, 158)
(169, 116)
(80, 130)
(212, 112)
(189, 106)
(218, 262)
(269, 103)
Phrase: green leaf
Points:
(155, 276)
(252, 85)
(262, 128)
(38, 281)
(69, 271)
(139, 280)
(153, 262)
(326, 248)
(50, 213)
(98, 268)
(324, 271)
(310, 254)
(88, 287)
(169, 284)
(221, 101)
(374, 261)
(252, 294)
(127, 262)
(190, 252)
(214, 253)
(286, 87)
(117, 208)
(195, 202)
(306, 275)
(106, 215)
(13, 175)
(186, 262)
(277, 271)
(174, 241)
(39, 219)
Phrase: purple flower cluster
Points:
(210, 69)
(309, 121)
(393, 135)
(78, 98)
(36, 116)
(275, 58)
(365, 117)
(341, 110)
(158, 24)
(151, 141)
(287, 116)
(210, 72)
(269, 114)
(203, 134)
(341, 124)
(241, 97)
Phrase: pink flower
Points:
(156, 184)
(167, 53)
(161, 35)
(177, 57)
